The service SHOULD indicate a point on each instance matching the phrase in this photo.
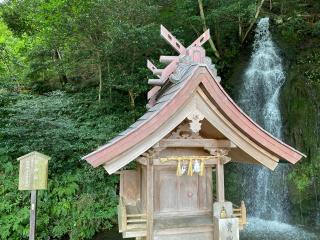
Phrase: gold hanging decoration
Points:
(202, 169)
(191, 160)
(179, 173)
(190, 168)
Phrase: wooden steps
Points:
(134, 233)
(132, 223)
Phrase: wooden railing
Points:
(241, 213)
(128, 221)
(122, 216)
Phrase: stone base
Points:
(218, 206)
(226, 229)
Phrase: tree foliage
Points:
(73, 75)
(80, 200)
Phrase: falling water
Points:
(265, 191)
(259, 98)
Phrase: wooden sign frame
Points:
(33, 172)
(33, 175)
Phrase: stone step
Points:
(142, 232)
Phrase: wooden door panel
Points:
(184, 194)
(168, 193)
(188, 194)
(205, 191)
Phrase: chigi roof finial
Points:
(194, 51)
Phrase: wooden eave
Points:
(245, 124)
(170, 110)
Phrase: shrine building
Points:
(191, 130)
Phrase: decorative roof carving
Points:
(183, 131)
(195, 124)
(178, 66)
(183, 69)
(221, 154)
(185, 66)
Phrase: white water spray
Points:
(266, 192)
(259, 95)
(259, 98)
(259, 229)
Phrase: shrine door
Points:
(180, 193)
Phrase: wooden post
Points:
(33, 212)
(150, 191)
(220, 180)
(243, 214)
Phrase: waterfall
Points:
(266, 191)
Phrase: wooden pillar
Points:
(33, 212)
(150, 192)
(220, 180)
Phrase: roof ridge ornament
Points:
(194, 50)
(172, 40)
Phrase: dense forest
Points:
(73, 74)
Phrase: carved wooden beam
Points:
(212, 160)
(159, 161)
(142, 160)
(220, 154)
(205, 143)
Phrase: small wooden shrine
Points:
(191, 130)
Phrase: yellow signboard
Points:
(33, 173)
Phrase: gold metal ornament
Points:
(191, 160)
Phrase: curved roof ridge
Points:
(166, 107)
(151, 113)
(256, 124)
